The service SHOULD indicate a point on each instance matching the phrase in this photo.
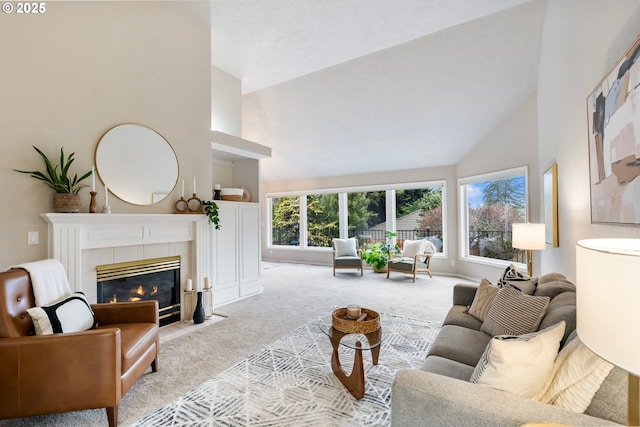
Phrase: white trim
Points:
(463, 211)
(362, 189)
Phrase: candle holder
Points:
(93, 205)
(188, 306)
(191, 206)
(207, 300)
(106, 209)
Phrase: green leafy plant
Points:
(377, 254)
(211, 209)
(57, 176)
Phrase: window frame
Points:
(342, 214)
(463, 213)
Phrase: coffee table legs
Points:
(354, 382)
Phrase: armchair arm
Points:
(60, 372)
(463, 294)
(427, 258)
(422, 398)
(126, 312)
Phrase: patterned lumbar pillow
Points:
(483, 300)
(514, 313)
(345, 247)
(514, 277)
(72, 314)
(520, 364)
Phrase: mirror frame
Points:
(116, 150)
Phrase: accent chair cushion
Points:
(483, 300)
(72, 314)
(514, 313)
(348, 261)
(346, 247)
(411, 248)
(519, 364)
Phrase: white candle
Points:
(194, 185)
(189, 285)
(106, 195)
(216, 187)
(206, 283)
(93, 178)
(353, 310)
(182, 194)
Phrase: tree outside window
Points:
(322, 219)
(285, 216)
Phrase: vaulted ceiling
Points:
(356, 86)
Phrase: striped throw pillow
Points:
(514, 313)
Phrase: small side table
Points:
(354, 382)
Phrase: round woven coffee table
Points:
(341, 326)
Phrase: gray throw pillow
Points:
(514, 313)
(483, 300)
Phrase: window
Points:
(419, 215)
(489, 205)
(367, 216)
(285, 221)
(312, 220)
(322, 219)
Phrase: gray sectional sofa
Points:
(440, 394)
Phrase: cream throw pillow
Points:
(577, 375)
(483, 299)
(411, 248)
(520, 364)
(345, 247)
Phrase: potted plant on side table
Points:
(59, 179)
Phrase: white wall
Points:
(77, 70)
(512, 144)
(226, 102)
(582, 39)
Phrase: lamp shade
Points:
(607, 295)
(528, 236)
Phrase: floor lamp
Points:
(530, 237)
(608, 319)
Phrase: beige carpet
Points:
(293, 295)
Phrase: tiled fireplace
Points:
(82, 242)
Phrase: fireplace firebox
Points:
(150, 279)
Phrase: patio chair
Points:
(347, 255)
(416, 256)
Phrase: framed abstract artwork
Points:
(550, 205)
(614, 142)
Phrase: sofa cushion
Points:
(519, 364)
(561, 308)
(461, 344)
(514, 313)
(577, 375)
(458, 315)
(447, 367)
(483, 299)
(550, 285)
(72, 314)
(610, 401)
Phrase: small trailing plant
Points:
(58, 176)
(211, 210)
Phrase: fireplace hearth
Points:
(150, 279)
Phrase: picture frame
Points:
(550, 205)
(614, 142)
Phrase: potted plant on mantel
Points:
(58, 177)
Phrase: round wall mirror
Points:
(137, 164)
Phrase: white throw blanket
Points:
(48, 279)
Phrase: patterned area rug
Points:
(290, 383)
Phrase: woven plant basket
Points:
(344, 324)
(66, 202)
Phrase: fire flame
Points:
(113, 300)
(139, 290)
(155, 290)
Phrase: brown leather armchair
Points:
(71, 371)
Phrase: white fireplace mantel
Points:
(70, 234)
